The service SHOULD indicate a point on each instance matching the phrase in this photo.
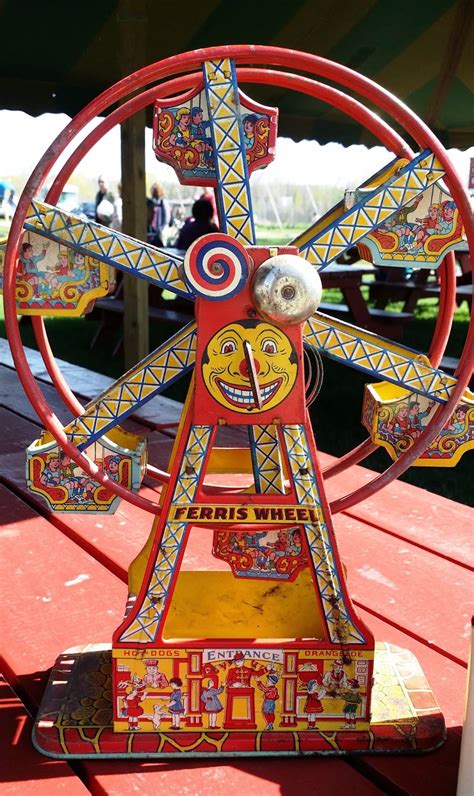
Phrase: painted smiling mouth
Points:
(243, 396)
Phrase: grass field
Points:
(337, 410)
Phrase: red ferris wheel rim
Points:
(293, 82)
(319, 91)
(259, 55)
(358, 111)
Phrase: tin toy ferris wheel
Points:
(263, 651)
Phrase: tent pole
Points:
(132, 25)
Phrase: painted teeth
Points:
(244, 396)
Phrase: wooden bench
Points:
(410, 292)
(395, 287)
(464, 293)
(449, 364)
(421, 284)
(107, 308)
(388, 324)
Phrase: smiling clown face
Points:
(225, 372)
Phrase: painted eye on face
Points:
(228, 346)
(269, 346)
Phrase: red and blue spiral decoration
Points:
(216, 266)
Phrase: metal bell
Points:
(286, 289)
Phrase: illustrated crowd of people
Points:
(407, 421)
(239, 674)
(70, 266)
(60, 471)
(265, 555)
(412, 235)
(190, 130)
(138, 688)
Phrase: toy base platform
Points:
(75, 718)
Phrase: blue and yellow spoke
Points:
(150, 377)
(336, 232)
(378, 357)
(107, 245)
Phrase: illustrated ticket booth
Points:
(240, 708)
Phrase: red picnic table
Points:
(63, 584)
(349, 280)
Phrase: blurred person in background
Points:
(104, 203)
(159, 214)
(209, 194)
(200, 223)
(116, 222)
(11, 204)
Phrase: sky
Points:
(24, 139)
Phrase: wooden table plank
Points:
(410, 587)
(399, 508)
(85, 381)
(12, 397)
(270, 777)
(388, 584)
(429, 520)
(50, 590)
(421, 517)
(13, 403)
(101, 533)
(375, 524)
(436, 775)
(52, 598)
(446, 678)
(88, 384)
(22, 768)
